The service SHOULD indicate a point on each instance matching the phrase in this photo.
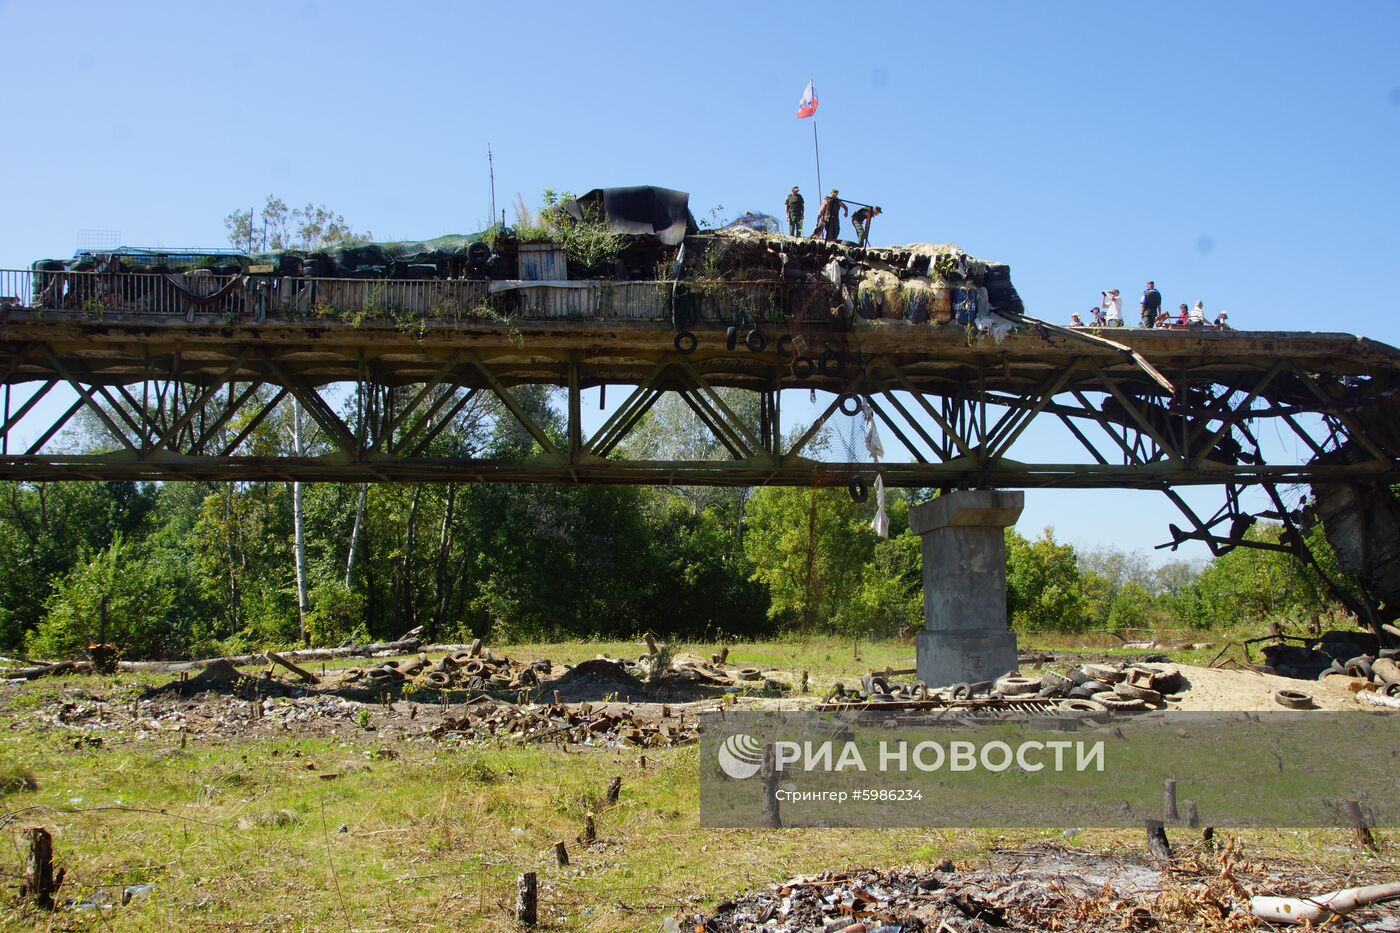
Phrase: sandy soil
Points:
(1230, 690)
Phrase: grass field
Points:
(254, 834)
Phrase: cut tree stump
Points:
(769, 815)
(1169, 812)
(1157, 842)
(1358, 823)
(590, 831)
(614, 788)
(526, 899)
(561, 853)
(39, 883)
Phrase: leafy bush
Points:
(1043, 587)
(337, 613)
(588, 242)
(114, 595)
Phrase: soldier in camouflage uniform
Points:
(861, 220)
(795, 208)
(829, 216)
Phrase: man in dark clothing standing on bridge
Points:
(795, 209)
(829, 216)
(1151, 305)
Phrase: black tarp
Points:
(643, 209)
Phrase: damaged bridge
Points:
(171, 379)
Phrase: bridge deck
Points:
(166, 385)
(129, 348)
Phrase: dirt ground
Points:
(1230, 690)
(257, 706)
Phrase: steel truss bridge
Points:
(181, 384)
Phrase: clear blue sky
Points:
(1240, 153)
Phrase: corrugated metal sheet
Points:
(568, 302)
(538, 302)
(543, 262)
(634, 301)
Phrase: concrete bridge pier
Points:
(966, 635)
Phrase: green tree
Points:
(810, 548)
(1043, 589)
(113, 595)
(1250, 585)
(1131, 608)
(274, 227)
(45, 529)
(891, 596)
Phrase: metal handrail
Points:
(201, 295)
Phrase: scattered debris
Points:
(1127, 685)
(1037, 888)
(605, 725)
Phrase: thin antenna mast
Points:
(491, 167)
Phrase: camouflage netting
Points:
(449, 256)
(744, 273)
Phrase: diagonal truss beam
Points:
(895, 430)
(1354, 430)
(1044, 395)
(1130, 406)
(253, 422)
(734, 422)
(1209, 446)
(421, 447)
(13, 419)
(639, 396)
(1090, 412)
(508, 400)
(397, 418)
(85, 396)
(935, 416)
(322, 413)
(195, 405)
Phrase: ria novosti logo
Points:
(740, 756)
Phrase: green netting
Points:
(443, 255)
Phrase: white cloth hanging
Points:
(872, 433)
(881, 522)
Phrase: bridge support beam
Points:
(966, 636)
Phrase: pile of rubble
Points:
(1125, 687)
(1381, 670)
(480, 671)
(467, 670)
(1040, 888)
(573, 724)
(905, 901)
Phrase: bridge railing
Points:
(201, 294)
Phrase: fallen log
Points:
(45, 670)
(301, 672)
(409, 646)
(1385, 671)
(404, 646)
(1376, 699)
(1299, 910)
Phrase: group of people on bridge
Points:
(1109, 313)
(829, 216)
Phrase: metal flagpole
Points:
(817, 149)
